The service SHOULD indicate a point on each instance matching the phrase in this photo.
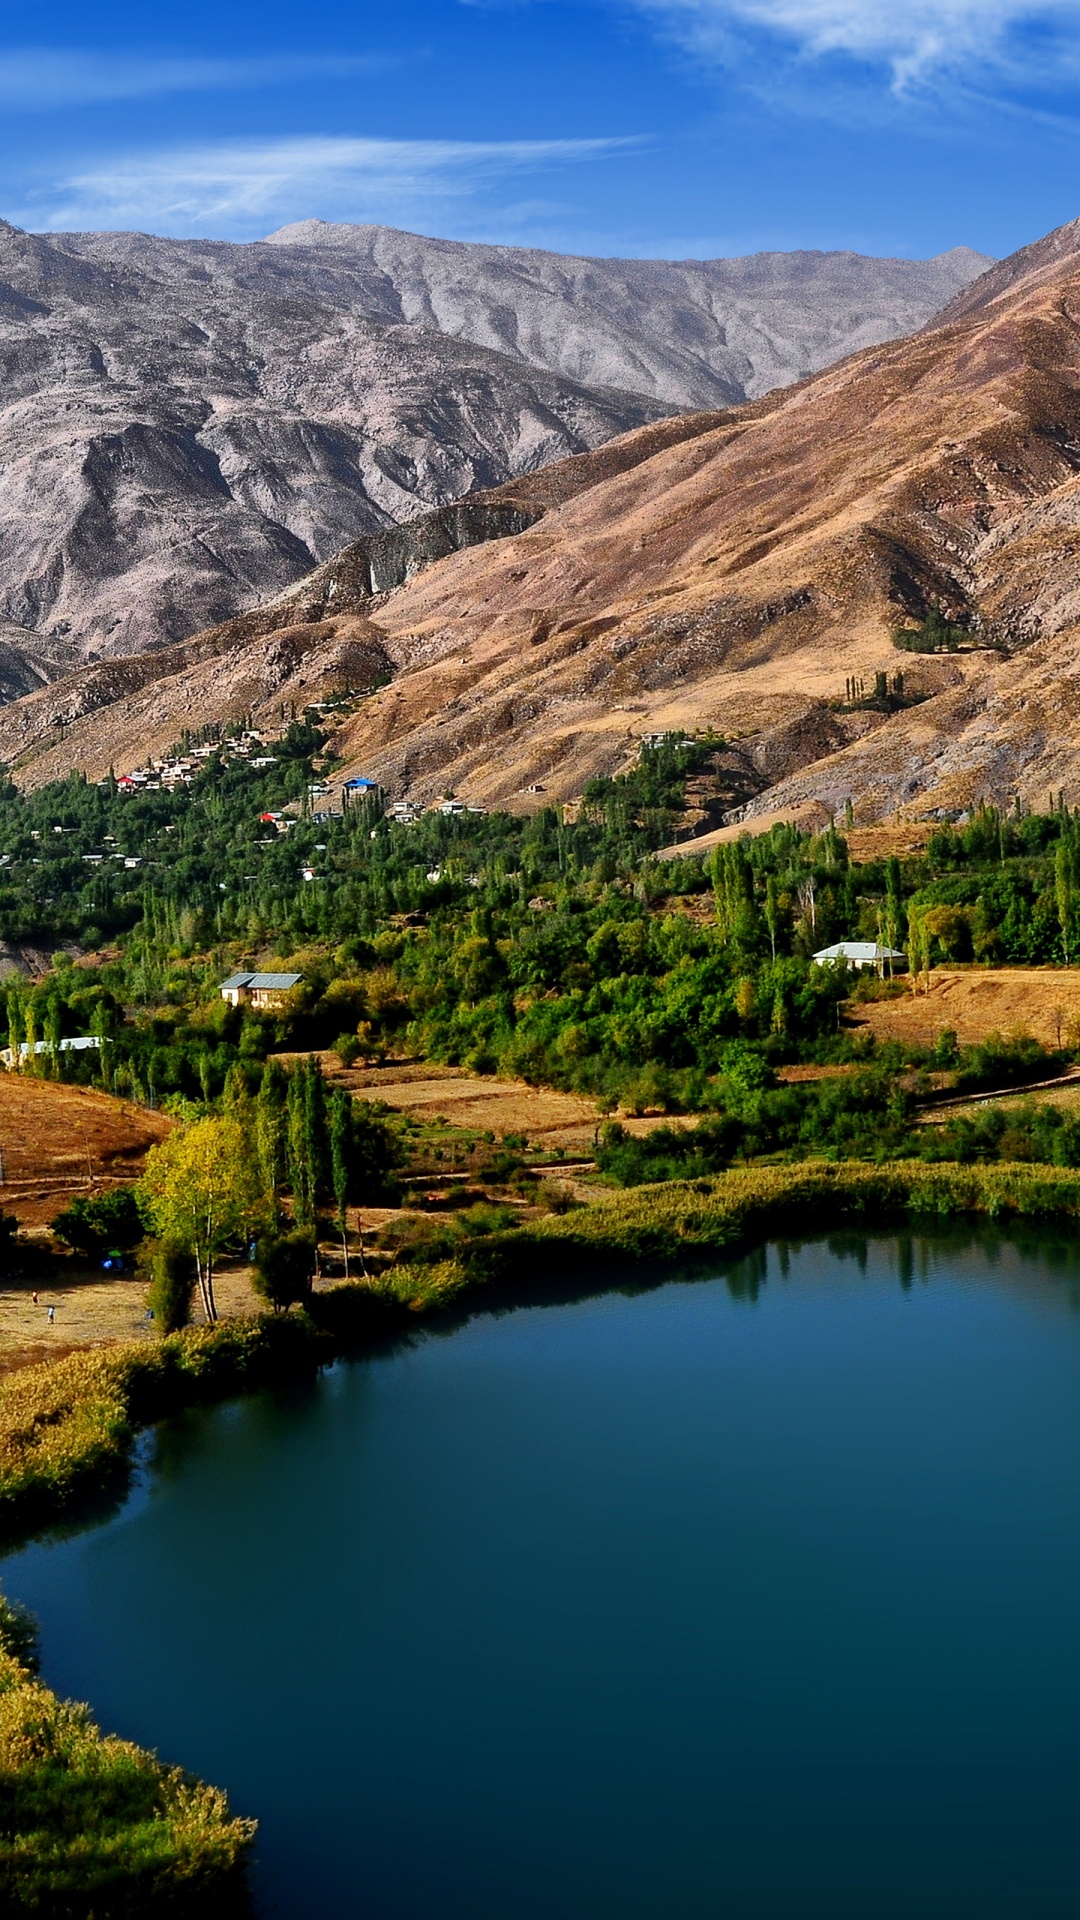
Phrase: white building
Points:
(860, 954)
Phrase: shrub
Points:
(555, 1197)
(172, 1282)
(93, 1825)
(18, 1634)
(284, 1267)
(348, 1049)
(94, 1224)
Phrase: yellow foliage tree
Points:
(202, 1188)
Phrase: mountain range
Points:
(744, 569)
(187, 427)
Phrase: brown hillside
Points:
(731, 571)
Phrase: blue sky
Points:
(664, 127)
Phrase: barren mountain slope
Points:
(737, 579)
(315, 639)
(731, 571)
(176, 445)
(696, 333)
(187, 426)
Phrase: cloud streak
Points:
(244, 188)
(39, 79)
(914, 41)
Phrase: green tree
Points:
(172, 1283)
(284, 1267)
(271, 1135)
(301, 1171)
(341, 1131)
(1066, 876)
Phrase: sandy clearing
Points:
(94, 1310)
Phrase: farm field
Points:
(978, 1001)
(481, 1104)
(57, 1141)
(547, 1119)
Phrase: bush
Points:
(284, 1267)
(172, 1282)
(94, 1225)
(555, 1197)
(18, 1634)
(347, 1047)
(668, 1153)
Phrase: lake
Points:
(752, 1596)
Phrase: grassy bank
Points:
(94, 1826)
(67, 1427)
(89, 1824)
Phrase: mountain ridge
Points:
(187, 427)
(729, 571)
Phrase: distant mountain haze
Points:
(187, 427)
(732, 569)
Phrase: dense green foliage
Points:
(285, 1267)
(557, 950)
(172, 1282)
(98, 1224)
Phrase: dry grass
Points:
(57, 1141)
(433, 1093)
(978, 1001)
(904, 839)
(93, 1309)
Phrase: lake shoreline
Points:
(68, 1429)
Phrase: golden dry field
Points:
(978, 1001)
(429, 1092)
(57, 1141)
(93, 1309)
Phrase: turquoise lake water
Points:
(753, 1596)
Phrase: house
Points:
(861, 954)
(673, 738)
(354, 791)
(261, 990)
(82, 1043)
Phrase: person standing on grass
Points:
(52, 1315)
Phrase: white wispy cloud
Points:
(914, 40)
(244, 188)
(36, 79)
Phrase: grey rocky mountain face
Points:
(696, 333)
(187, 427)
